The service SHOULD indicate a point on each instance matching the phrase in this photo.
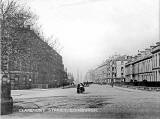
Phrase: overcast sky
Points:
(92, 30)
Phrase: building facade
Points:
(34, 63)
(112, 68)
(156, 62)
(145, 66)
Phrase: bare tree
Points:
(13, 17)
(54, 43)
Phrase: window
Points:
(156, 60)
(122, 62)
(159, 76)
(159, 59)
(152, 61)
(156, 76)
(121, 68)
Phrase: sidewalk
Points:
(139, 87)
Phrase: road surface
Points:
(98, 101)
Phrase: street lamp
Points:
(30, 82)
(16, 82)
(25, 82)
(55, 83)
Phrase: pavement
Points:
(145, 88)
(98, 101)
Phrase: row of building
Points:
(145, 66)
(112, 68)
(32, 62)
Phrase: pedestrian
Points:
(78, 88)
(112, 82)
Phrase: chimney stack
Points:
(158, 43)
(147, 49)
(152, 47)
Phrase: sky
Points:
(90, 31)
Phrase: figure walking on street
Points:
(112, 82)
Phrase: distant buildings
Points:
(70, 78)
(34, 63)
(90, 76)
(114, 67)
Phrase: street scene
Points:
(109, 102)
(80, 59)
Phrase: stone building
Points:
(34, 63)
(112, 68)
(156, 62)
(101, 73)
(145, 66)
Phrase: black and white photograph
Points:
(80, 59)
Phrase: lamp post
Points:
(55, 83)
(16, 82)
(30, 83)
(25, 82)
